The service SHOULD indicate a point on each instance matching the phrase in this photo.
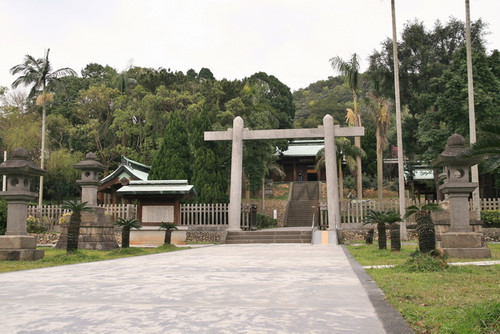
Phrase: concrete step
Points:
(268, 237)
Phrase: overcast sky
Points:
(292, 40)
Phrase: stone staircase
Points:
(269, 236)
(303, 204)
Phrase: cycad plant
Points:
(76, 208)
(127, 225)
(425, 225)
(381, 218)
(169, 227)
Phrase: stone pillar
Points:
(236, 176)
(460, 240)
(332, 188)
(16, 244)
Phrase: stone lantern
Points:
(96, 228)
(16, 244)
(460, 240)
(89, 182)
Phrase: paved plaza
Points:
(253, 288)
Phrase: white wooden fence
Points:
(353, 212)
(191, 214)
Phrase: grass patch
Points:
(58, 257)
(434, 297)
(370, 255)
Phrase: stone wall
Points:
(271, 205)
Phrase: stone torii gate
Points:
(328, 132)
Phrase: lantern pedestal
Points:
(19, 248)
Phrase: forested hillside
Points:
(157, 116)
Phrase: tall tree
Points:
(350, 71)
(173, 160)
(401, 178)
(383, 120)
(38, 74)
(476, 202)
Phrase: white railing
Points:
(353, 212)
(191, 214)
(204, 214)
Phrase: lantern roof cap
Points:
(90, 163)
(19, 164)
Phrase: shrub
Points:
(423, 262)
(264, 221)
(491, 218)
(35, 225)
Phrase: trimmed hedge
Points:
(490, 218)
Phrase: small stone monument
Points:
(16, 244)
(96, 228)
(460, 240)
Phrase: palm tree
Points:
(425, 225)
(127, 225)
(76, 208)
(488, 146)
(350, 71)
(381, 218)
(345, 152)
(383, 120)
(38, 74)
(169, 227)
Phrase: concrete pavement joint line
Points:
(475, 263)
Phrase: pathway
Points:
(271, 288)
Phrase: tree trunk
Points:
(395, 237)
(126, 237)
(42, 150)
(399, 134)
(476, 206)
(168, 237)
(380, 173)
(382, 236)
(426, 232)
(73, 232)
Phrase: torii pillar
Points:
(328, 132)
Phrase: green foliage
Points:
(479, 318)
(35, 225)
(490, 218)
(423, 262)
(3, 216)
(173, 160)
(425, 225)
(127, 225)
(76, 208)
(168, 226)
(264, 221)
(433, 83)
(381, 218)
(61, 176)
